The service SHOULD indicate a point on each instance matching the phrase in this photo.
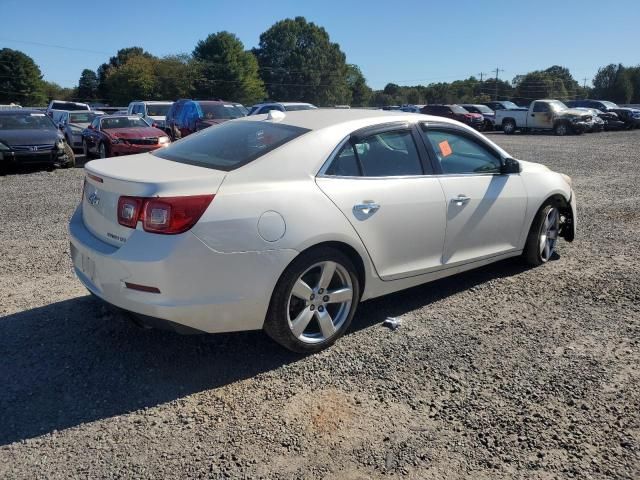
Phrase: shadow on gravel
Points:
(73, 362)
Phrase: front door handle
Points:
(460, 200)
(367, 207)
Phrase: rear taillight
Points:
(168, 215)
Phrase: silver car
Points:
(72, 124)
(287, 221)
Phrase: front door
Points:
(485, 209)
(379, 183)
(540, 116)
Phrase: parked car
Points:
(630, 117)
(115, 135)
(261, 108)
(63, 105)
(544, 115)
(213, 233)
(488, 114)
(72, 124)
(602, 105)
(11, 106)
(412, 108)
(502, 105)
(598, 124)
(456, 112)
(30, 137)
(153, 112)
(189, 116)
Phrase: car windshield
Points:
(557, 106)
(84, 117)
(609, 104)
(483, 108)
(122, 122)
(29, 121)
(230, 145)
(69, 106)
(158, 109)
(212, 111)
(295, 108)
(458, 109)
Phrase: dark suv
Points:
(189, 116)
(455, 112)
(602, 105)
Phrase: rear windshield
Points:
(69, 106)
(29, 121)
(158, 110)
(230, 145)
(212, 111)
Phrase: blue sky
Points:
(406, 42)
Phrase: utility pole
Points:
(482, 74)
(498, 70)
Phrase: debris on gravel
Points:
(496, 373)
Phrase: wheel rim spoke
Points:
(301, 322)
(340, 296)
(326, 324)
(302, 290)
(328, 269)
(543, 243)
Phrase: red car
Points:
(456, 112)
(113, 135)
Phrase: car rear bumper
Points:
(199, 288)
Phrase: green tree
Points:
(88, 85)
(133, 80)
(613, 83)
(174, 77)
(226, 70)
(20, 79)
(360, 91)
(120, 58)
(53, 91)
(299, 62)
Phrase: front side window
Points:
(540, 107)
(230, 145)
(459, 154)
(387, 154)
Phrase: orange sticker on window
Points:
(445, 148)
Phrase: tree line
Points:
(295, 60)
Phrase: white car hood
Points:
(532, 167)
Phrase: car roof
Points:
(318, 119)
(153, 101)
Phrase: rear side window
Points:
(387, 154)
(230, 145)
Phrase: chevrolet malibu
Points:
(287, 221)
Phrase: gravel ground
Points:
(503, 372)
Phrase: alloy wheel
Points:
(549, 234)
(319, 302)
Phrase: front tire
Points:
(543, 236)
(71, 157)
(102, 149)
(561, 129)
(314, 301)
(509, 127)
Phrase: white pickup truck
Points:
(544, 115)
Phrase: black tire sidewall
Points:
(531, 252)
(276, 323)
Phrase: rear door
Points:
(380, 181)
(485, 209)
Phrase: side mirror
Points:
(510, 165)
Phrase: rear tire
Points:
(509, 127)
(543, 236)
(314, 301)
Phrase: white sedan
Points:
(286, 221)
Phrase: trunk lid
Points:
(141, 175)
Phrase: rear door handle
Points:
(367, 207)
(460, 200)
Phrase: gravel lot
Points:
(503, 372)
